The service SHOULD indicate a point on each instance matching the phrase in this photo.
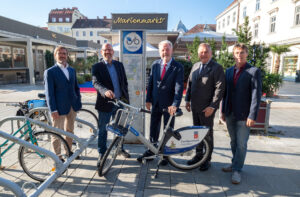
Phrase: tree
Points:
(243, 33)
(193, 50)
(225, 58)
(49, 59)
(278, 50)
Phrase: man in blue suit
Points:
(164, 91)
(240, 107)
(62, 94)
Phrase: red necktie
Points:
(163, 72)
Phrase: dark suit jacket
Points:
(244, 99)
(61, 93)
(205, 89)
(102, 82)
(168, 91)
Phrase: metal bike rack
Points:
(60, 167)
(12, 186)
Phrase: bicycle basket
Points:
(122, 120)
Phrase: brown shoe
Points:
(227, 168)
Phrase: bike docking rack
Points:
(60, 167)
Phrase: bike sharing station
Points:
(132, 35)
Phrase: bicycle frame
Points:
(27, 131)
(130, 115)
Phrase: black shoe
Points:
(164, 162)
(148, 153)
(195, 159)
(124, 153)
(77, 158)
(205, 166)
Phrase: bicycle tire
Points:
(109, 156)
(180, 160)
(93, 121)
(38, 166)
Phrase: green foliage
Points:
(225, 58)
(243, 33)
(87, 77)
(90, 61)
(187, 65)
(49, 58)
(271, 83)
(279, 49)
(82, 66)
(80, 79)
(193, 50)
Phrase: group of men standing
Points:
(239, 88)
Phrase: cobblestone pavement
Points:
(272, 166)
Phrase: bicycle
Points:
(178, 146)
(36, 165)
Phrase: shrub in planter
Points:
(87, 77)
(271, 83)
(80, 79)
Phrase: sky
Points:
(190, 12)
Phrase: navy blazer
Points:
(243, 99)
(102, 82)
(61, 93)
(168, 91)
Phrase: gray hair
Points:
(165, 42)
(204, 45)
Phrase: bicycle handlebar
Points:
(117, 102)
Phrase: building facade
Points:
(271, 22)
(91, 29)
(62, 20)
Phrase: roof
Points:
(201, 27)
(63, 11)
(208, 35)
(92, 23)
(234, 2)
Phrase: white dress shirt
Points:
(64, 69)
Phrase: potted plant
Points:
(271, 83)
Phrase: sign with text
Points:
(140, 21)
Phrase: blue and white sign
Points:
(132, 42)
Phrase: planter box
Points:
(262, 122)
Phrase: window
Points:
(5, 57)
(83, 33)
(233, 17)
(257, 7)
(53, 20)
(77, 33)
(228, 20)
(67, 29)
(67, 19)
(244, 12)
(105, 41)
(223, 24)
(98, 41)
(297, 15)
(255, 30)
(272, 24)
(219, 25)
(98, 33)
(60, 29)
(60, 20)
(91, 33)
(19, 57)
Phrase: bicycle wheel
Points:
(88, 116)
(180, 160)
(39, 166)
(38, 115)
(110, 156)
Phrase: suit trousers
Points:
(199, 119)
(64, 122)
(155, 123)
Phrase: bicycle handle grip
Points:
(145, 111)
